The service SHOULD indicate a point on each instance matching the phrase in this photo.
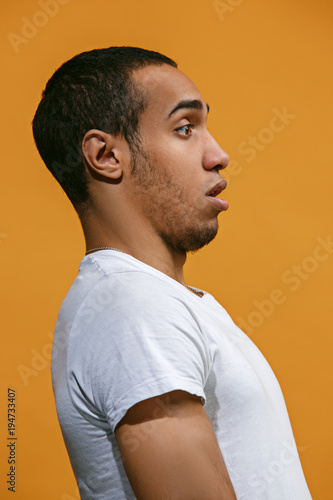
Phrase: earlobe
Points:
(98, 151)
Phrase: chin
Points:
(191, 240)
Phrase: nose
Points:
(214, 155)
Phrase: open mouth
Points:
(215, 192)
(218, 202)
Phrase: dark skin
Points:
(167, 443)
(133, 214)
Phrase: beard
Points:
(190, 240)
(169, 207)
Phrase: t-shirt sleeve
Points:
(141, 341)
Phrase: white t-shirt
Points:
(127, 332)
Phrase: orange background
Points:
(248, 59)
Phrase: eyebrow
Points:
(189, 104)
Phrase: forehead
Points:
(165, 86)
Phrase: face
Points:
(176, 177)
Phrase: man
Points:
(159, 394)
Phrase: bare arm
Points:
(170, 451)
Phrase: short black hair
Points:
(94, 89)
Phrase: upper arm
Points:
(170, 451)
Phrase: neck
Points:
(148, 248)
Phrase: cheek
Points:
(172, 149)
(182, 169)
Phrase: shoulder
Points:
(136, 306)
(134, 337)
(127, 289)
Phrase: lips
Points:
(214, 192)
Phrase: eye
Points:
(185, 129)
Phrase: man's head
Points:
(93, 90)
(125, 133)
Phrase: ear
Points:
(103, 153)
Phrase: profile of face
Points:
(175, 175)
